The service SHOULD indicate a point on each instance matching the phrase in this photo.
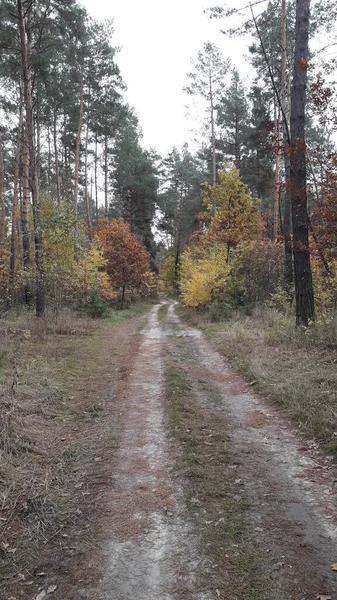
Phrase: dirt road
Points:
(156, 549)
(199, 489)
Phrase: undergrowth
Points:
(53, 381)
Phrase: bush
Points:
(219, 310)
(94, 306)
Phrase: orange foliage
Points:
(127, 259)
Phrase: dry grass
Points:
(55, 377)
(294, 368)
(217, 505)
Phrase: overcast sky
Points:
(158, 39)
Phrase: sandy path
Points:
(154, 552)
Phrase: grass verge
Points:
(214, 497)
(293, 368)
(57, 379)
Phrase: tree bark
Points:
(25, 212)
(277, 171)
(213, 136)
(288, 251)
(33, 167)
(77, 165)
(86, 187)
(305, 307)
(106, 212)
(15, 202)
(57, 170)
(96, 182)
(2, 203)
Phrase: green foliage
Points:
(93, 305)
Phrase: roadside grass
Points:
(55, 378)
(118, 317)
(293, 368)
(214, 497)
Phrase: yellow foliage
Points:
(89, 275)
(237, 216)
(201, 279)
(325, 287)
(166, 280)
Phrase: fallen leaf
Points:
(334, 566)
(323, 597)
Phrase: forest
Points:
(168, 323)
(249, 217)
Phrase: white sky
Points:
(158, 39)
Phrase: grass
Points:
(215, 501)
(55, 375)
(293, 368)
(118, 317)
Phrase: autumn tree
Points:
(127, 259)
(236, 214)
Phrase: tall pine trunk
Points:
(277, 170)
(77, 165)
(288, 251)
(212, 135)
(305, 307)
(57, 170)
(86, 190)
(106, 211)
(96, 181)
(33, 167)
(15, 201)
(2, 203)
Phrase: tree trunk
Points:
(106, 177)
(178, 243)
(213, 137)
(285, 93)
(305, 308)
(2, 203)
(277, 171)
(86, 187)
(96, 182)
(25, 213)
(33, 171)
(57, 171)
(77, 165)
(15, 202)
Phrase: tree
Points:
(305, 308)
(233, 118)
(134, 181)
(207, 82)
(180, 200)
(33, 167)
(127, 259)
(236, 215)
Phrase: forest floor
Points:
(156, 472)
